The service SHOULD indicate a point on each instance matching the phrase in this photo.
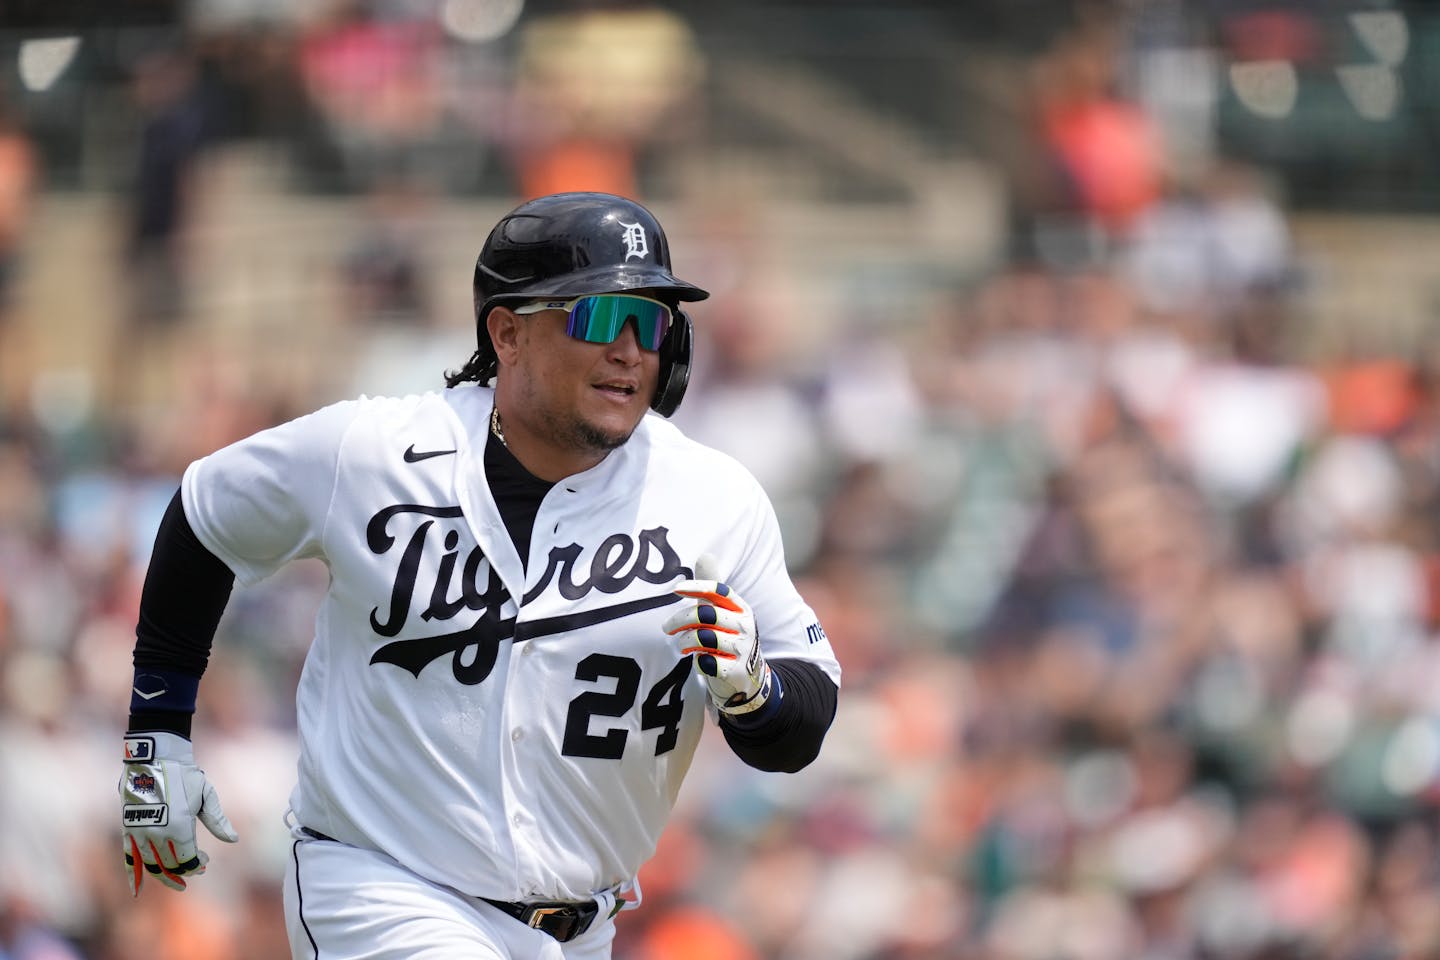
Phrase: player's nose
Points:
(626, 348)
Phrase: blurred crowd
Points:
(1135, 591)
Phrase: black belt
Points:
(562, 919)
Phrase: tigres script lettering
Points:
(483, 636)
(608, 570)
(616, 563)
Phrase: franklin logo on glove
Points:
(145, 814)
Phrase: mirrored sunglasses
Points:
(599, 318)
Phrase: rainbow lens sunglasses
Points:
(599, 318)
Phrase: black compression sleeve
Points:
(791, 738)
(186, 590)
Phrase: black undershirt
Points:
(187, 587)
(517, 493)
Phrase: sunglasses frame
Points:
(569, 306)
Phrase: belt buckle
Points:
(538, 915)
(564, 922)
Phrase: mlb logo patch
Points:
(139, 749)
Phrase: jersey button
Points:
(517, 734)
(517, 819)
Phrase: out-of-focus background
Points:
(1087, 349)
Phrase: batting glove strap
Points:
(758, 705)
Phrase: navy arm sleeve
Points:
(787, 740)
(185, 593)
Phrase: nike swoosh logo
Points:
(147, 696)
(412, 457)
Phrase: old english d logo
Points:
(635, 245)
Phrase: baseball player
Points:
(537, 592)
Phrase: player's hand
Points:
(718, 627)
(162, 792)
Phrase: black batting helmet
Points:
(570, 244)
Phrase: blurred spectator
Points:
(594, 89)
(24, 935)
(20, 176)
(1243, 416)
(382, 273)
(1102, 154)
(1210, 246)
(375, 85)
(19, 181)
(746, 402)
(693, 933)
(174, 122)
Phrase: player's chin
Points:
(596, 436)
(608, 429)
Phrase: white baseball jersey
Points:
(511, 733)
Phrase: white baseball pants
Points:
(344, 903)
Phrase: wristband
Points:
(156, 688)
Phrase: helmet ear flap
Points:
(676, 351)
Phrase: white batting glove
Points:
(162, 792)
(719, 629)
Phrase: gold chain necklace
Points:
(495, 425)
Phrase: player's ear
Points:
(504, 328)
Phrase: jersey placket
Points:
(522, 734)
(490, 533)
(527, 741)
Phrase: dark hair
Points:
(480, 368)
